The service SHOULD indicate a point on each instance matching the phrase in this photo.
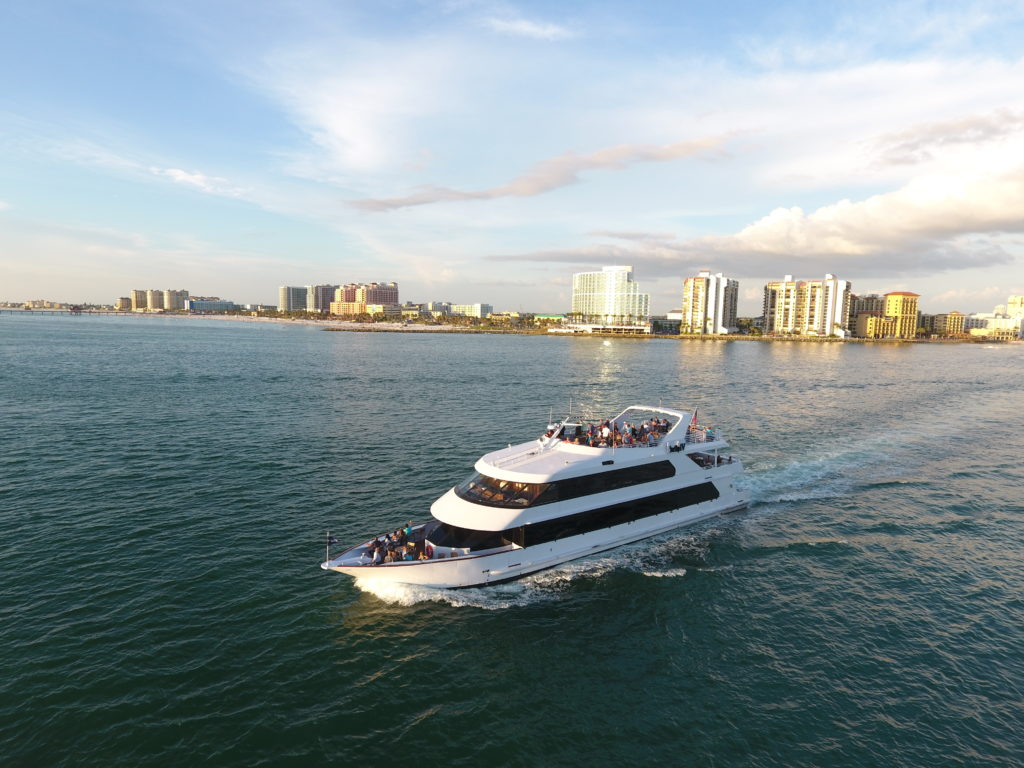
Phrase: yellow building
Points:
(870, 326)
(348, 307)
(901, 306)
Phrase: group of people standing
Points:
(610, 434)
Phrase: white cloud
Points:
(552, 173)
(520, 27)
(931, 224)
(358, 101)
(930, 209)
(920, 143)
(213, 185)
(4, 205)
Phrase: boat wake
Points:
(670, 573)
(825, 474)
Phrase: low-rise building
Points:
(998, 327)
(472, 310)
(210, 305)
(948, 324)
(389, 310)
(347, 308)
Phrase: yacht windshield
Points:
(500, 493)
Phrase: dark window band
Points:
(491, 492)
(573, 525)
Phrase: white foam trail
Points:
(492, 598)
(672, 572)
(828, 474)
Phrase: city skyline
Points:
(486, 152)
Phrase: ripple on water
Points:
(164, 508)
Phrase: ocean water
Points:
(165, 486)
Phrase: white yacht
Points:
(568, 494)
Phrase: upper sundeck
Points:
(577, 446)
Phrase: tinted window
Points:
(491, 492)
(616, 514)
(445, 535)
(500, 493)
(573, 525)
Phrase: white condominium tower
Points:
(709, 303)
(319, 297)
(175, 299)
(291, 298)
(812, 308)
(609, 296)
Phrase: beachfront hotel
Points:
(609, 301)
(709, 304)
(358, 298)
(807, 307)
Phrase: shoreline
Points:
(345, 326)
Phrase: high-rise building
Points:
(709, 304)
(123, 303)
(154, 300)
(319, 297)
(812, 307)
(609, 297)
(1015, 306)
(291, 298)
(471, 310)
(902, 307)
(139, 302)
(346, 292)
(377, 293)
(175, 299)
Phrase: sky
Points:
(485, 151)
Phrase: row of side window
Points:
(573, 525)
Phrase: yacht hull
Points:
(480, 570)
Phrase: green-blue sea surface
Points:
(165, 486)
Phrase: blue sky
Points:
(484, 151)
